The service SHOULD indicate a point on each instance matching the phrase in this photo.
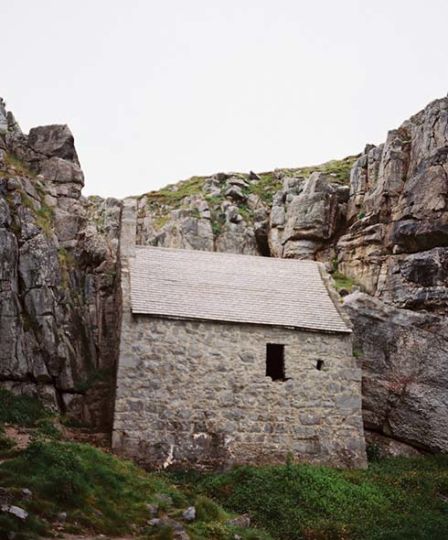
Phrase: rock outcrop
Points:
(305, 216)
(59, 305)
(379, 221)
(396, 245)
(405, 371)
(396, 248)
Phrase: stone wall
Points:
(196, 394)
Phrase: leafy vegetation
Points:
(160, 221)
(94, 376)
(341, 281)
(395, 499)
(42, 213)
(6, 444)
(245, 212)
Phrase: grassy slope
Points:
(99, 492)
(394, 499)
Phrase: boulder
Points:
(404, 358)
(53, 141)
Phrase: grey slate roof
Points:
(235, 288)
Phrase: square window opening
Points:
(319, 365)
(275, 361)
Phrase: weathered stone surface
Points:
(214, 219)
(3, 119)
(16, 511)
(53, 141)
(59, 302)
(405, 371)
(398, 207)
(304, 216)
(382, 446)
(187, 227)
(242, 521)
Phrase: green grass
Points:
(174, 194)
(342, 281)
(100, 493)
(246, 213)
(43, 215)
(269, 184)
(171, 197)
(266, 187)
(98, 490)
(217, 216)
(395, 499)
(21, 410)
(20, 167)
(160, 221)
(45, 219)
(339, 169)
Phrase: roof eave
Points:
(347, 331)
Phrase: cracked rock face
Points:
(59, 302)
(396, 247)
(405, 371)
(398, 214)
(305, 216)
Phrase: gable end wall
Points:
(195, 394)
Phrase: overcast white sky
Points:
(158, 90)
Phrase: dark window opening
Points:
(319, 364)
(275, 361)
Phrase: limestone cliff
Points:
(379, 220)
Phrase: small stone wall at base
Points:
(195, 394)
